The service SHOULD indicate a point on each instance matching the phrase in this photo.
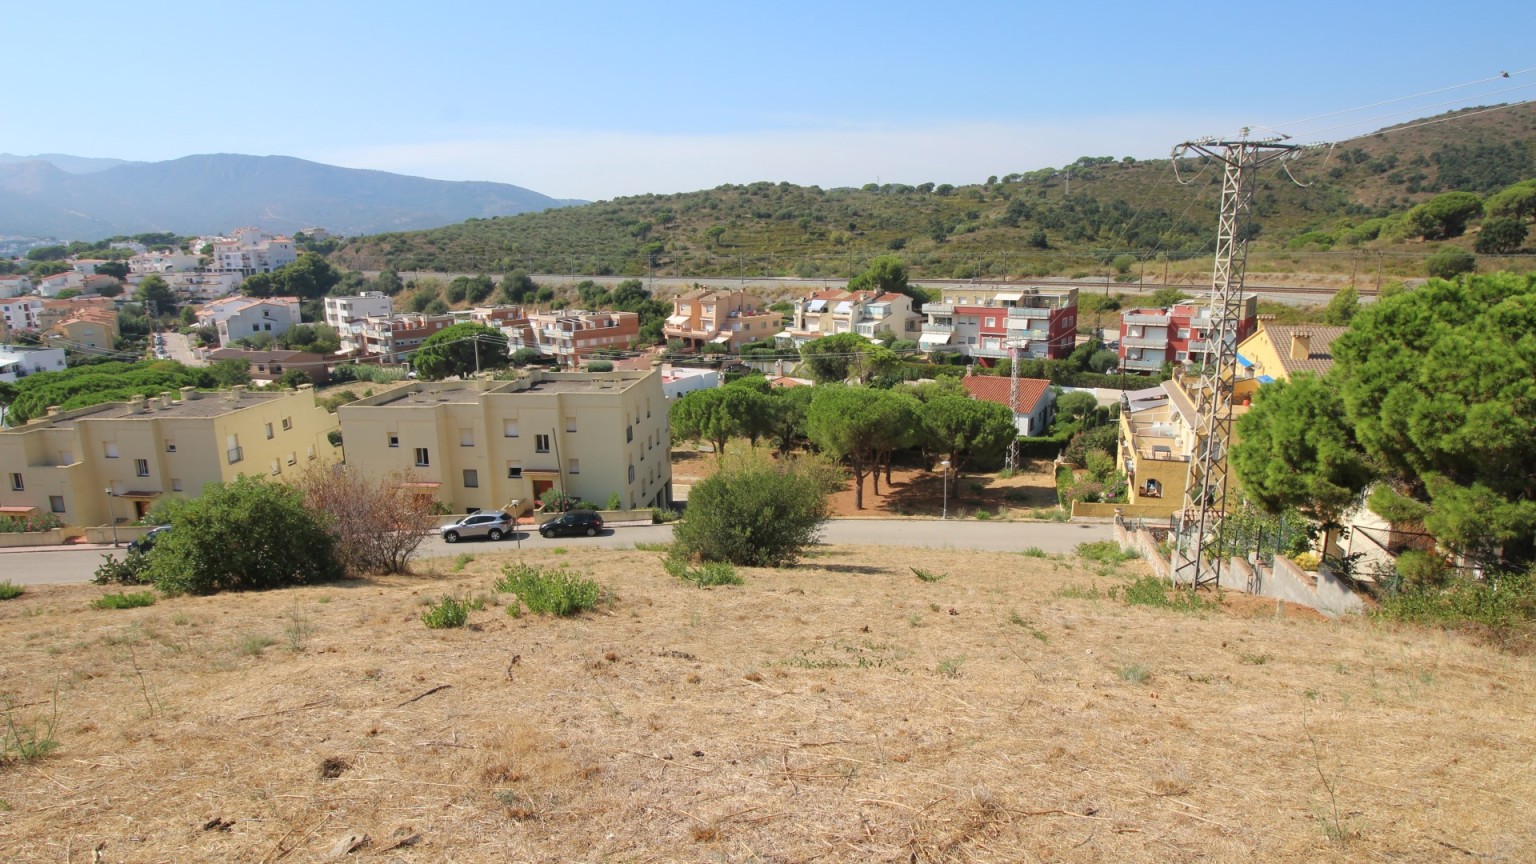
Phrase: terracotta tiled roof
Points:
(994, 388)
(1319, 357)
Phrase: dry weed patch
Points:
(798, 716)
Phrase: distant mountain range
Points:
(80, 198)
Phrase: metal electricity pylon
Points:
(1198, 525)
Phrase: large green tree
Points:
(1296, 450)
(1440, 384)
(966, 431)
(462, 350)
(156, 295)
(847, 356)
(719, 414)
(1444, 215)
(857, 425)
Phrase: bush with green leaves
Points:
(10, 590)
(705, 575)
(756, 512)
(244, 535)
(131, 569)
(548, 591)
(446, 613)
(1151, 591)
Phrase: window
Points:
(570, 424)
(629, 434)
(287, 423)
(293, 457)
(631, 473)
(170, 446)
(277, 467)
(175, 485)
(268, 428)
(422, 458)
(394, 440)
(311, 451)
(110, 448)
(141, 467)
(471, 478)
(16, 484)
(232, 447)
(1183, 332)
(509, 429)
(56, 503)
(541, 443)
(514, 470)
(573, 466)
(466, 437)
(1182, 356)
(991, 322)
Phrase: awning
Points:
(678, 320)
(16, 510)
(421, 484)
(934, 338)
(1266, 379)
(721, 339)
(540, 472)
(139, 496)
(1244, 361)
(816, 306)
(1010, 297)
(843, 308)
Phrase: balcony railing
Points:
(1028, 312)
(236, 454)
(1154, 320)
(938, 308)
(1139, 342)
(1148, 365)
(978, 351)
(938, 328)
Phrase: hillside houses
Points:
(867, 313)
(989, 321)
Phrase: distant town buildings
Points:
(240, 317)
(250, 250)
(19, 361)
(865, 313)
(147, 263)
(727, 319)
(987, 321)
(570, 335)
(14, 286)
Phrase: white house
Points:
(19, 361)
(369, 304)
(252, 251)
(21, 313)
(240, 317)
(146, 263)
(203, 286)
(14, 285)
(676, 381)
(1036, 405)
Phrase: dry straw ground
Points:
(843, 710)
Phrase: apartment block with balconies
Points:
(865, 313)
(987, 322)
(340, 311)
(725, 318)
(1156, 439)
(484, 444)
(111, 462)
(1181, 334)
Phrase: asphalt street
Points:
(54, 565)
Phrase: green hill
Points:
(1076, 219)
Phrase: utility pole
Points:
(1013, 400)
(1196, 556)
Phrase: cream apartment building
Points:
(726, 318)
(484, 444)
(113, 461)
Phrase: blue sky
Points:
(593, 100)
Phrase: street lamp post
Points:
(111, 519)
(945, 466)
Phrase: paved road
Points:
(56, 565)
(179, 348)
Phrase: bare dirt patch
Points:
(842, 710)
(915, 491)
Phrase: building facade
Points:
(570, 336)
(1035, 410)
(484, 444)
(827, 313)
(393, 337)
(88, 330)
(725, 318)
(19, 361)
(145, 263)
(251, 250)
(22, 313)
(340, 311)
(239, 317)
(983, 321)
(111, 462)
(269, 366)
(1156, 438)
(1179, 334)
(12, 285)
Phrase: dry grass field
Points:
(842, 710)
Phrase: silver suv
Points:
(492, 525)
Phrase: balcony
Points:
(1028, 312)
(1142, 365)
(978, 351)
(1155, 342)
(1149, 320)
(938, 328)
(1040, 335)
(938, 309)
(236, 454)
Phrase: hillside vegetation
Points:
(1099, 214)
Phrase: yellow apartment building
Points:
(112, 461)
(1277, 352)
(484, 444)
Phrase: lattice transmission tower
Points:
(1198, 525)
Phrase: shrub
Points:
(1307, 560)
(445, 613)
(614, 502)
(132, 569)
(10, 591)
(600, 366)
(1104, 552)
(755, 512)
(662, 517)
(1450, 263)
(1152, 591)
(122, 600)
(705, 575)
(29, 523)
(245, 535)
(1504, 604)
(377, 522)
(553, 591)
(927, 575)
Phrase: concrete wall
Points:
(51, 537)
(1333, 595)
(1129, 511)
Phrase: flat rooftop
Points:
(208, 404)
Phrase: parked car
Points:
(492, 525)
(574, 522)
(146, 542)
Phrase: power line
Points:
(1499, 77)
